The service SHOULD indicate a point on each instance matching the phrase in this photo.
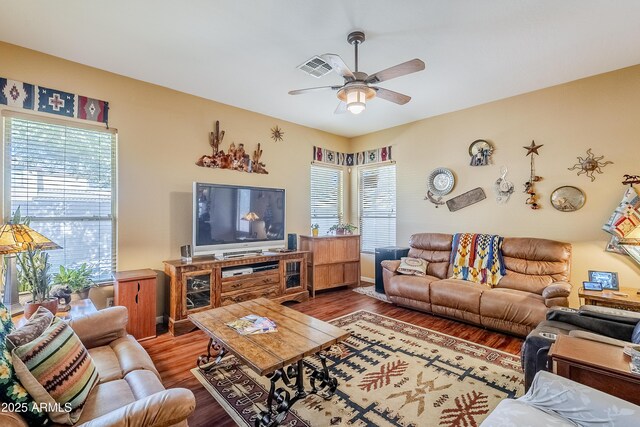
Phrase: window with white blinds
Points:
(326, 196)
(63, 178)
(377, 206)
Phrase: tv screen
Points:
(227, 217)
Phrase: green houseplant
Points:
(33, 271)
(77, 279)
(341, 229)
(33, 275)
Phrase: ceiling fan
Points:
(357, 88)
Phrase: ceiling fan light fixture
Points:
(356, 100)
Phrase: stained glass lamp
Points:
(624, 223)
(16, 238)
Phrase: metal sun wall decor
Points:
(277, 134)
(235, 159)
(529, 186)
(589, 165)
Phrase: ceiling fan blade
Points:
(313, 89)
(396, 71)
(338, 65)
(392, 96)
(341, 108)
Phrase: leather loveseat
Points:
(130, 392)
(537, 278)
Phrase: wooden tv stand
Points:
(199, 285)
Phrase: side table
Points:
(608, 299)
(601, 366)
(136, 290)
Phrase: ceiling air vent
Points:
(316, 67)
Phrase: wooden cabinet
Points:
(334, 261)
(136, 290)
(598, 365)
(207, 283)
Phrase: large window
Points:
(377, 206)
(62, 176)
(326, 196)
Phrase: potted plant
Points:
(78, 280)
(314, 229)
(341, 229)
(33, 275)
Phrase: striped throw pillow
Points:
(56, 370)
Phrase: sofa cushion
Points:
(412, 266)
(411, 287)
(512, 306)
(107, 397)
(107, 363)
(35, 326)
(143, 383)
(56, 368)
(131, 355)
(458, 294)
(511, 413)
(635, 337)
(435, 248)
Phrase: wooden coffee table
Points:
(278, 355)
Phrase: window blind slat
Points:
(326, 197)
(62, 177)
(377, 206)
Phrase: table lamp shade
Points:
(15, 238)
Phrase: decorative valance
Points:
(31, 97)
(351, 159)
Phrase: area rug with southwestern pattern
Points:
(390, 373)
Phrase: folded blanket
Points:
(477, 258)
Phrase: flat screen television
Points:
(229, 218)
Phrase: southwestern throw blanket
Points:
(477, 258)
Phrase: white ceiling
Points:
(245, 53)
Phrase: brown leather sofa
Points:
(130, 392)
(537, 278)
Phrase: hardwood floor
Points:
(175, 356)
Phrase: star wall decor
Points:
(533, 148)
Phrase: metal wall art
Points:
(567, 198)
(440, 183)
(467, 199)
(529, 186)
(480, 152)
(235, 159)
(503, 188)
(589, 165)
(277, 134)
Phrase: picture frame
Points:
(608, 279)
(592, 286)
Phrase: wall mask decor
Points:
(567, 198)
(589, 165)
(236, 158)
(440, 183)
(503, 188)
(480, 152)
(529, 186)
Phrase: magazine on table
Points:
(253, 324)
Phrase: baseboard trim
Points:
(367, 280)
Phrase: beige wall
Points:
(600, 112)
(161, 133)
